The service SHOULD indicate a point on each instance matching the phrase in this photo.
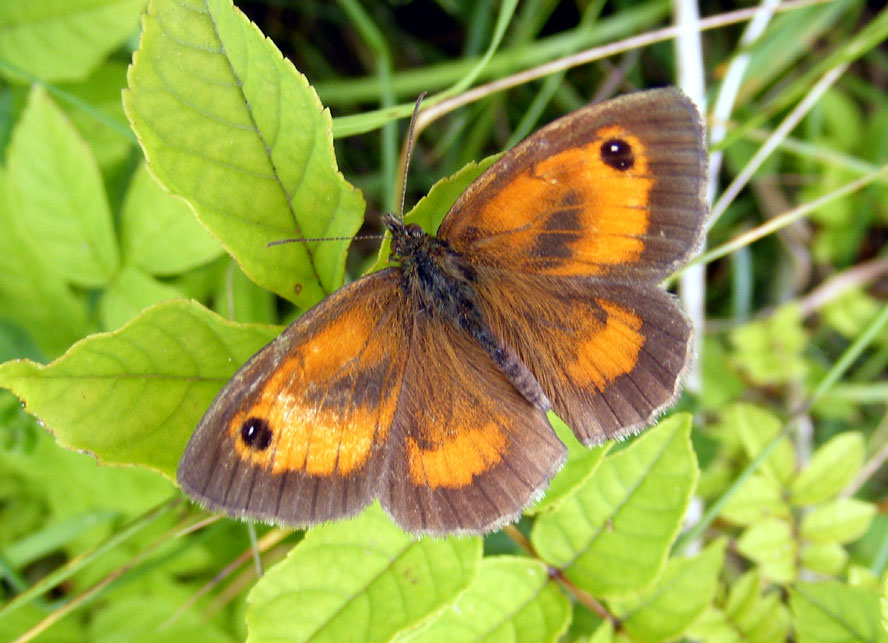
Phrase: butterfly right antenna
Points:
(407, 154)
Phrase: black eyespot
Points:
(256, 433)
(618, 154)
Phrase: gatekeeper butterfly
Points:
(426, 384)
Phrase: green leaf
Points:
(159, 232)
(666, 609)
(613, 535)
(582, 462)
(723, 385)
(227, 123)
(134, 396)
(604, 633)
(32, 293)
(59, 40)
(511, 599)
(62, 207)
(769, 351)
(863, 577)
(756, 427)
(103, 124)
(759, 497)
(770, 544)
(842, 520)
(832, 467)
(238, 298)
(131, 292)
(714, 627)
(850, 312)
(362, 579)
(824, 558)
(830, 611)
(754, 614)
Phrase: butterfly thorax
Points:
(440, 282)
(434, 275)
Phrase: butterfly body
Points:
(426, 384)
(439, 282)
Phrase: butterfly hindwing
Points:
(608, 357)
(468, 451)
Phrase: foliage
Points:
(135, 278)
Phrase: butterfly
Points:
(426, 385)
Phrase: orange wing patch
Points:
(320, 422)
(571, 213)
(456, 460)
(609, 349)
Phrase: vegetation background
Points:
(762, 519)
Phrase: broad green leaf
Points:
(32, 293)
(613, 535)
(842, 520)
(134, 396)
(129, 293)
(238, 298)
(713, 627)
(770, 543)
(227, 123)
(582, 462)
(850, 312)
(604, 633)
(759, 497)
(863, 577)
(684, 590)
(62, 207)
(58, 40)
(512, 599)
(830, 611)
(364, 579)
(831, 468)
(104, 126)
(756, 615)
(824, 558)
(770, 350)
(430, 210)
(722, 385)
(756, 427)
(154, 618)
(159, 232)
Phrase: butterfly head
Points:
(406, 239)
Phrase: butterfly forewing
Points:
(612, 190)
(299, 435)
